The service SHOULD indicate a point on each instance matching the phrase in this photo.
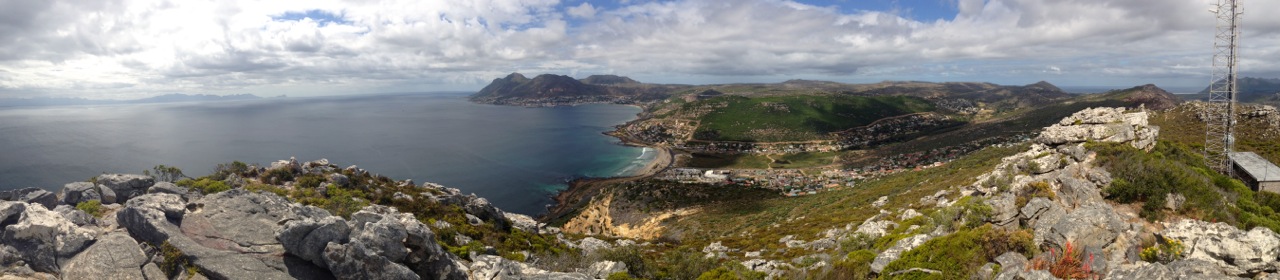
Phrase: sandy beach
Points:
(581, 190)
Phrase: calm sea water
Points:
(516, 157)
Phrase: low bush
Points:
(1164, 252)
(205, 185)
(957, 255)
(92, 207)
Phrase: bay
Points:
(515, 157)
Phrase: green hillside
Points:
(795, 117)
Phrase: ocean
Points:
(515, 157)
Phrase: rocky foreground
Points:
(145, 229)
(158, 230)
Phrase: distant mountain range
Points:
(550, 89)
(1253, 90)
(167, 98)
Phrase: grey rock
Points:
(909, 214)
(340, 180)
(355, 261)
(108, 196)
(307, 237)
(43, 239)
(1041, 215)
(36, 196)
(149, 216)
(987, 271)
(125, 186)
(401, 196)
(167, 187)
(1075, 191)
(1234, 251)
(114, 256)
(523, 222)
(11, 210)
(1094, 225)
(498, 268)
(880, 202)
(603, 269)
(239, 221)
(1174, 201)
(774, 269)
(290, 165)
(894, 252)
(1011, 260)
(1141, 271)
(75, 193)
(1198, 269)
(591, 244)
(151, 271)
(875, 228)
(1004, 210)
(1020, 274)
(75, 216)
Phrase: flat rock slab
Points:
(115, 256)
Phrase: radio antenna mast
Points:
(1220, 113)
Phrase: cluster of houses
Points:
(790, 182)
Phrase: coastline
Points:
(581, 190)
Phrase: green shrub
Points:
(277, 176)
(205, 185)
(92, 207)
(175, 261)
(684, 264)
(957, 255)
(855, 265)
(1034, 190)
(620, 276)
(1164, 252)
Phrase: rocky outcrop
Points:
(42, 239)
(114, 256)
(893, 253)
(75, 193)
(35, 196)
(1233, 251)
(498, 268)
(1104, 125)
(377, 243)
(158, 219)
(124, 186)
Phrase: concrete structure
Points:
(1256, 172)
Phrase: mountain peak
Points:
(608, 80)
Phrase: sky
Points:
(120, 49)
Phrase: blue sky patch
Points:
(320, 16)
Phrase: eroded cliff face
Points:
(597, 218)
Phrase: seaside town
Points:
(809, 181)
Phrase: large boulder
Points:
(43, 238)
(355, 260)
(125, 186)
(1102, 124)
(155, 219)
(75, 193)
(114, 256)
(307, 237)
(386, 243)
(1235, 252)
(36, 196)
(1090, 226)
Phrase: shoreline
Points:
(580, 190)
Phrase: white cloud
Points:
(583, 11)
(143, 47)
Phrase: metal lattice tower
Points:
(1220, 113)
